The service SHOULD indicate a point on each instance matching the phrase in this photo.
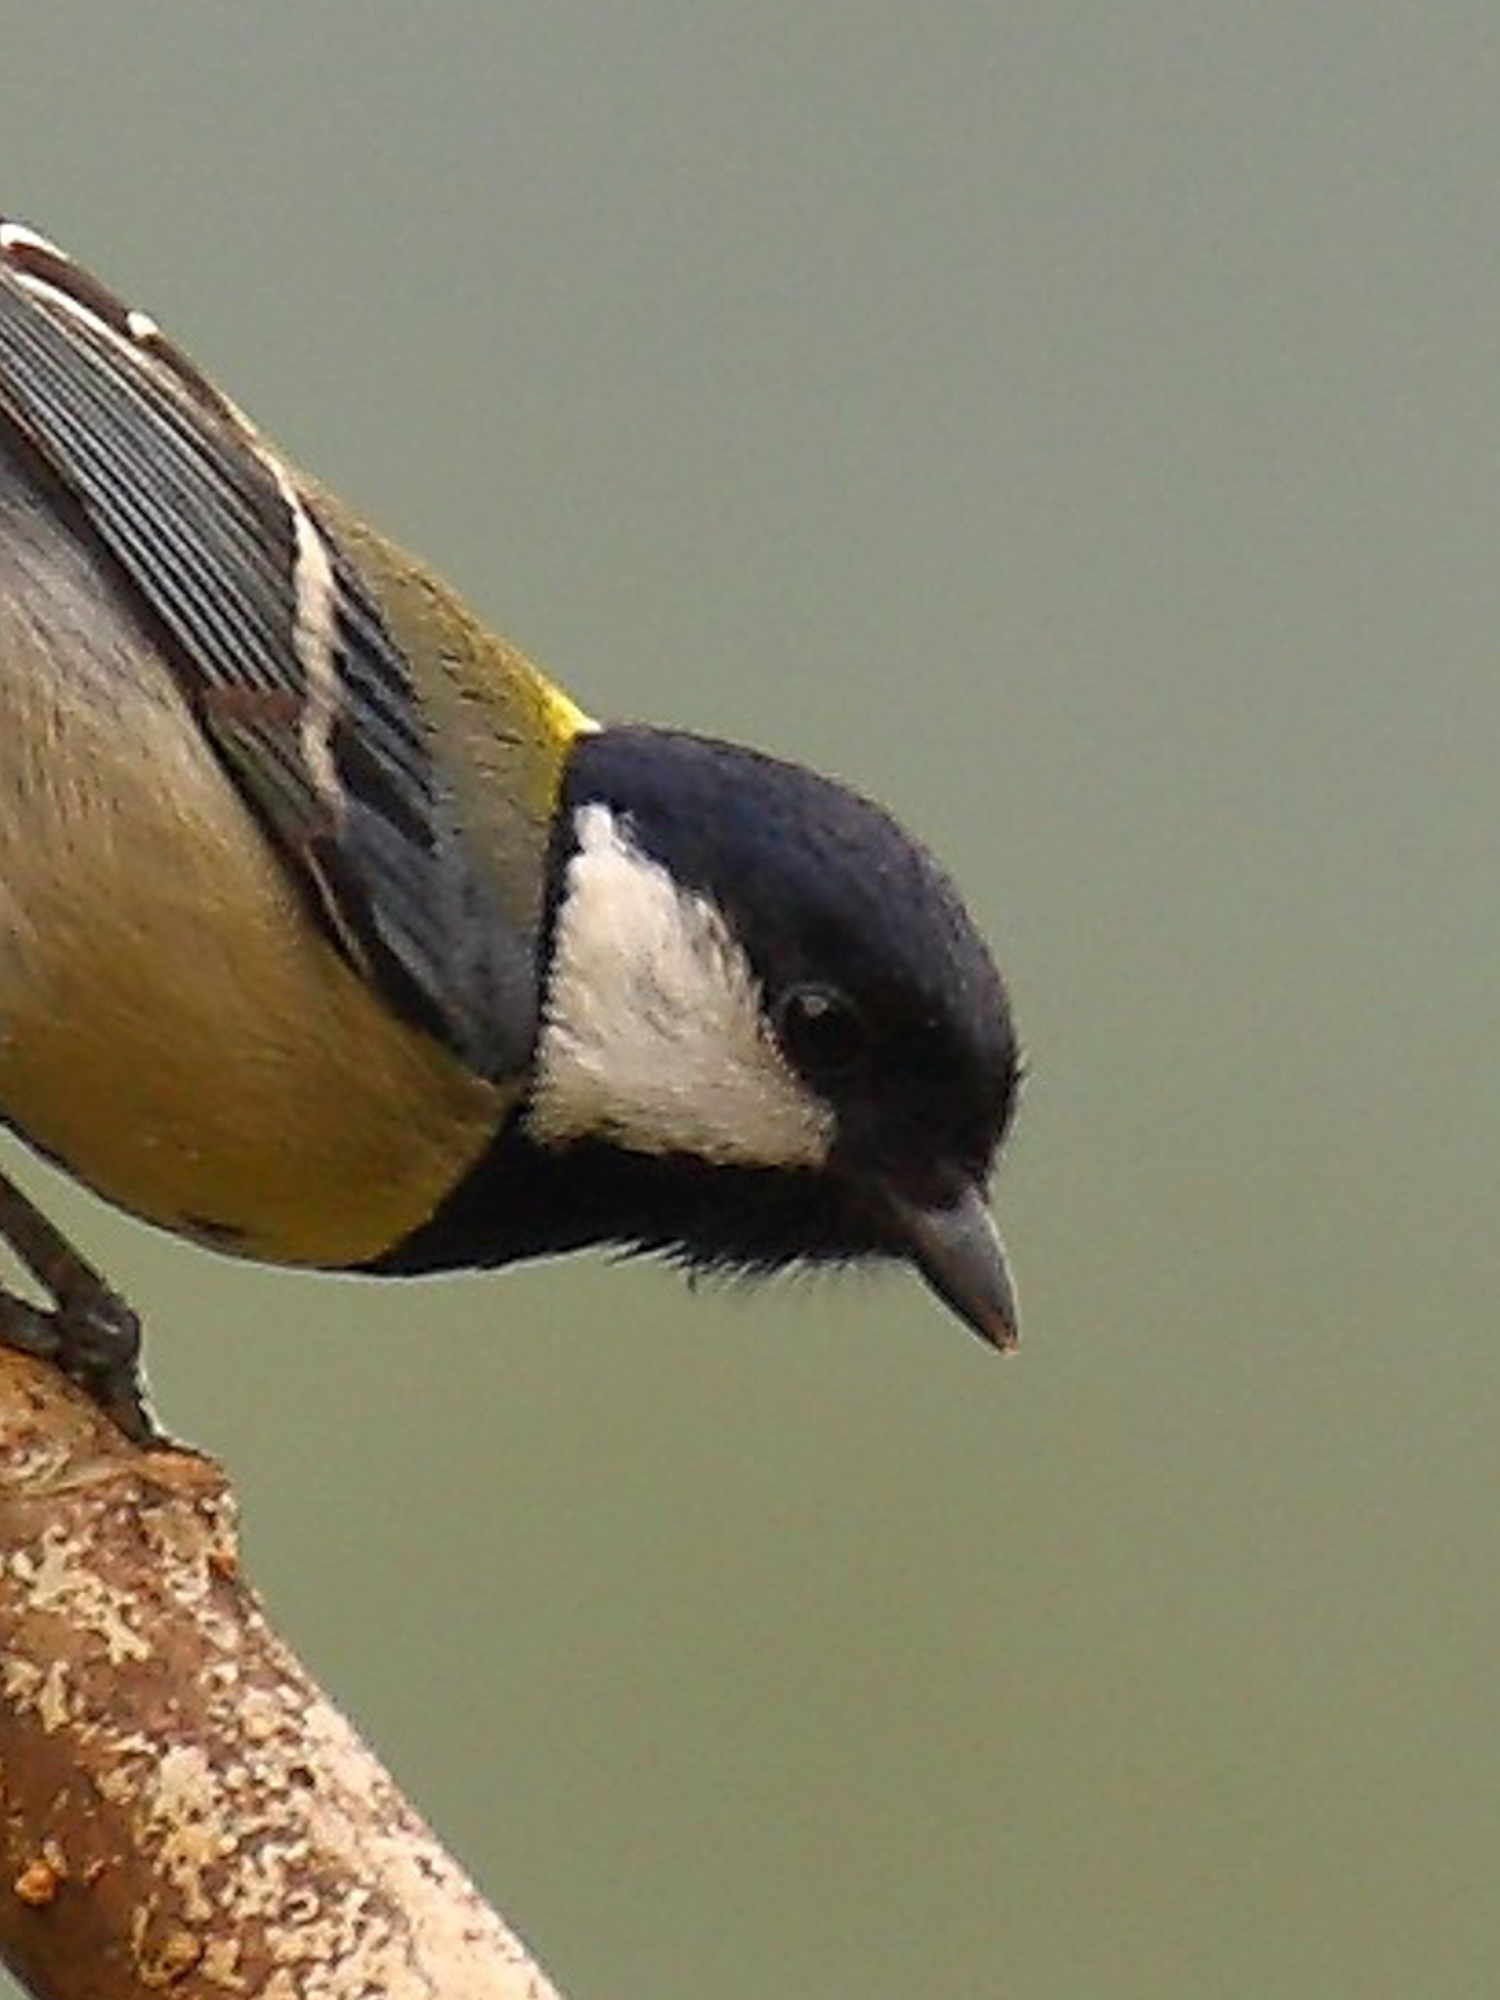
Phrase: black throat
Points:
(523, 1200)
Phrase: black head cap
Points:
(829, 895)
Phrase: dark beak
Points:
(958, 1251)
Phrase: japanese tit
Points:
(332, 934)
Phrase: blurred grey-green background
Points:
(1077, 424)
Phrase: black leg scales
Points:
(90, 1333)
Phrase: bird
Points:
(333, 934)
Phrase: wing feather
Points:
(277, 641)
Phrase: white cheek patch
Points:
(652, 1034)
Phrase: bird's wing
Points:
(277, 642)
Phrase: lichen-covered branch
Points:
(180, 1807)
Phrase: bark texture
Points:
(181, 1809)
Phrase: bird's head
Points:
(770, 1032)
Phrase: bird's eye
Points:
(822, 1031)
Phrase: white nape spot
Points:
(141, 325)
(653, 1035)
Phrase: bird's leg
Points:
(91, 1334)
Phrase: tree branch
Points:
(180, 1806)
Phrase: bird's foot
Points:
(90, 1333)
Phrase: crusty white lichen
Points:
(58, 1575)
